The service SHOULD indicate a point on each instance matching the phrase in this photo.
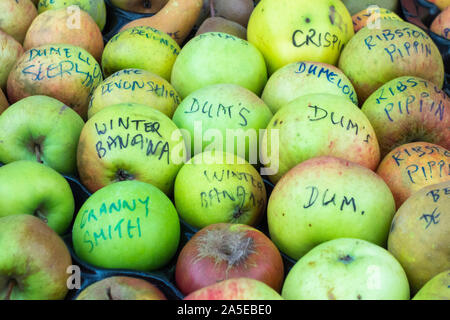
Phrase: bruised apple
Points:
(236, 289)
(10, 52)
(419, 235)
(412, 166)
(121, 288)
(409, 109)
(395, 49)
(303, 78)
(56, 27)
(130, 142)
(224, 251)
(325, 198)
(61, 71)
(319, 125)
(135, 86)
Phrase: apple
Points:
(302, 30)
(42, 129)
(419, 235)
(96, 8)
(135, 86)
(28, 187)
(140, 6)
(121, 288)
(16, 17)
(227, 117)
(127, 225)
(141, 48)
(33, 260)
(10, 51)
(355, 6)
(412, 166)
(61, 71)
(346, 269)
(235, 10)
(408, 109)
(81, 31)
(215, 58)
(435, 289)
(325, 198)
(391, 50)
(318, 125)
(226, 189)
(219, 24)
(4, 104)
(371, 17)
(236, 289)
(303, 78)
(441, 24)
(441, 4)
(130, 142)
(224, 251)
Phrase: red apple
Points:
(222, 251)
(236, 289)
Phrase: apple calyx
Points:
(224, 245)
(123, 175)
(238, 212)
(11, 284)
(346, 259)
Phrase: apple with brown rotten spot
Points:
(224, 251)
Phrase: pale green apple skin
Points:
(326, 198)
(142, 235)
(409, 109)
(346, 269)
(152, 153)
(35, 256)
(43, 120)
(396, 49)
(222, 107)
(27, 186)
(135, 86)
(319, 125)
(142, 48)
(216, 57)
(437, 288)
(355, 6)
(207, 192)
(303, 78)
(236, 289)
(288, 31)
(419, 234)
(95, 8)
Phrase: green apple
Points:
(437, 288)
(142, 48)
(121, 288)
(303, 78)
(42, 129)
(216, 57)
(325, 198)
(288, 31)
(127, 225)
(28, 187)
(318, 125)
(16, 17)
(391, 50)
(96, 8)
(226, 189)
(227, 117)
(34, 260)
(10, 51)
(346, 269)
(135, 86)
(130, 142)
(355, 6)
(235, 289)
(419, 234)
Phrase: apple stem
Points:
(147, 4)
(11, 285)
(37, 150)
(41, 216)
(211, 8)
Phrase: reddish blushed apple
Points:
(412, 166)
(236, 289)
(223, 251)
